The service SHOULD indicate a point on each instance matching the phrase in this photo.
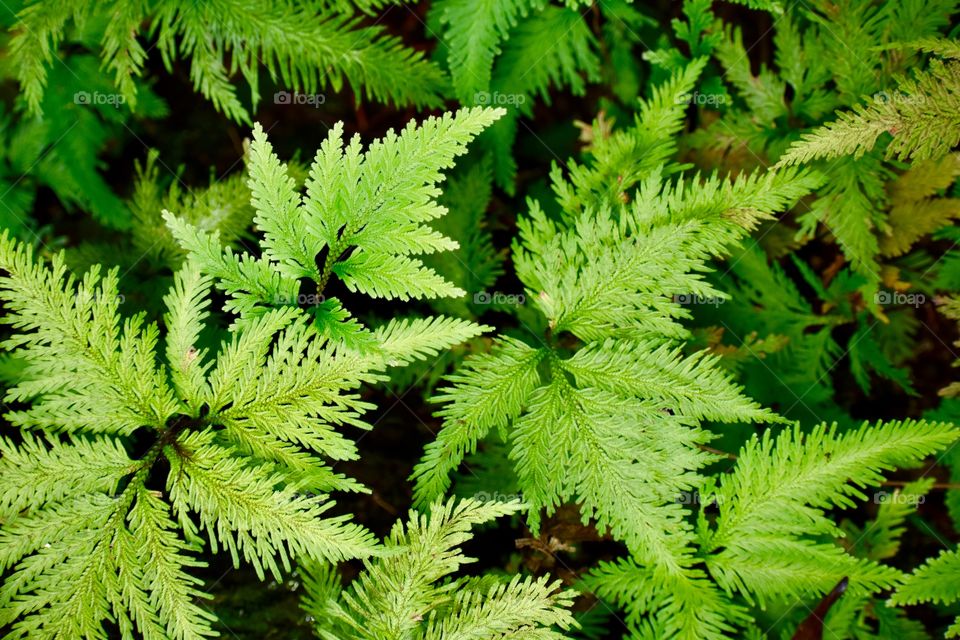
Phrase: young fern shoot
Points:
(364, 218)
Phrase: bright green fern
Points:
(305, 47)
(133, 454)
(363, 220)
(408, 593)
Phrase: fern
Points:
(919, 116)
(551, 47)
(854, 205)
(364, 215)
(304, 47)
(755, 512)
(243, 434)
(477, 264)
(753, 549)
(935, 581)
(65, 150)
(408, 592)
(669, 272)
(474, 31)
(607, 284)
(879, 539)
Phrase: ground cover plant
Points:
(500, 319)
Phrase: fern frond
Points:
(381, 275)
(305, 49)
(34, 46)
(275, 199)
(624, 158)
(914, 211)
(474, 31)
(695, 384)
(881, 538)
(365, 211)
(85, 543)
(411, 339)
(781, 481)
(40, 471)
(938, 580)
(920, 116)
(187, 305)
(524, 608)
(241, 510)
(85, 370)
(622, 409)
(173, 593)
(552, 47)
(406, 591)
(488, 393)
(763, 93)
(942, 47)
(659, 607)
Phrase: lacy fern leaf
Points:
(409, 591)
(90, 537)
(920, 117)
(757, 546)
(936, 581)
(610, 285)
(305, 47)
(362, 220)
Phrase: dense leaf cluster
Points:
(681, 371)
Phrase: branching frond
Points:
(920, 118)
(408, 591)
(304, 49)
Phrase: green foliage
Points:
(936, 581)
(408, 593)
(753, 548)
(919, 116)
(838, 48)
(90, 533)
(248, 436)
(364, 215)
(306, 47)
(681, 280)
(608, 391)
(60, 151)
(508, 53)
